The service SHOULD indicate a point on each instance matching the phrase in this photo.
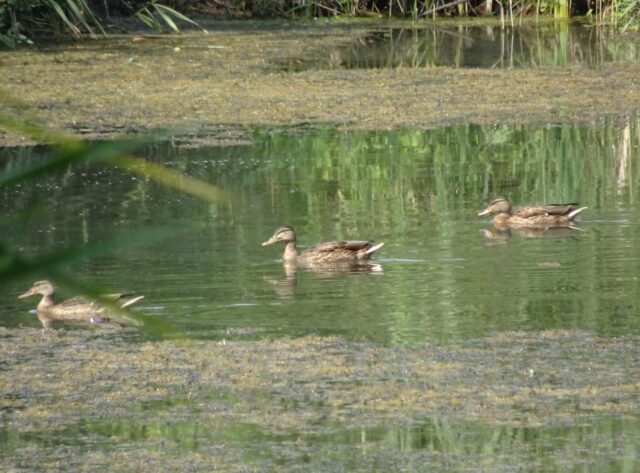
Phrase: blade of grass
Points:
(89, 12)
(73, 29)
(148, 19)
(167, 19)
(18, 265)
(80, 17)
(170, 178)
(33, 130)
(70, 153)
(176, 14)
(156, 325)
(111, 152)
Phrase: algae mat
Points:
(92, 400)
(233, 77)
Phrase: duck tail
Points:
(374, 248)
(575, 212)
(131, 301)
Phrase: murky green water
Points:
(442, 276)
(446, 278)
(525, 45)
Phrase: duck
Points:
(76, 309)
(328, 252)
(550, 215)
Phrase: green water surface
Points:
(444, 277)
(444, 274)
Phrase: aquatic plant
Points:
(23, 20)
(625, 13)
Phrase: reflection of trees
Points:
(230, 439)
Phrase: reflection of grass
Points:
(67, 153)
(395, 173)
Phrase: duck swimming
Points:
(328, 252)
(76, 309)
(549, 215)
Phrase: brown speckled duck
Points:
(76, 309)
(328, 252)
(536, 216)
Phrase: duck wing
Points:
(80, 308)
(340, 250)
(76, 308)
(549, 209)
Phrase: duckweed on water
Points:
(209, 84)
(242, 406)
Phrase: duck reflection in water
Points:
(503, 233)
(285, 287)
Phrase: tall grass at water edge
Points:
(23, 20)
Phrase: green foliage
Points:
(21, 20)
(416, 9)
(627, 14)
(159, 16)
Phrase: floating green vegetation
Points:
(235, 405)
(232, 78)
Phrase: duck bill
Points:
(484, 212)
(26, 294)
(270, 241)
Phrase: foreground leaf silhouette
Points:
(69, 152)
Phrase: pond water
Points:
(472, 45)
(443, 275)
(444, 278)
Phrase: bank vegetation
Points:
(24, 21)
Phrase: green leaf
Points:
(176, 14)
(148, 19)
(73, 29)
(170, 178)
(167, 19)
(53, 266)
